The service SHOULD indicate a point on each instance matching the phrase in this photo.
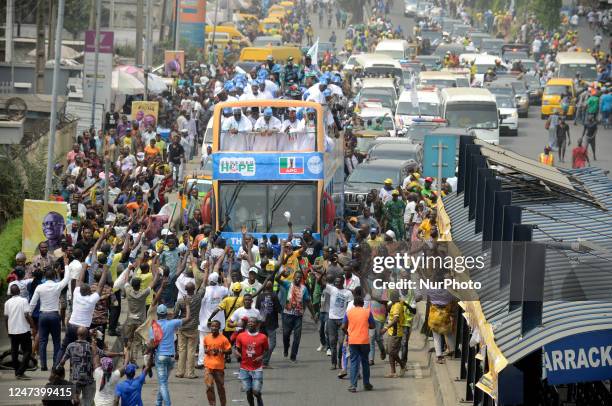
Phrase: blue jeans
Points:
(49, 323)
(377, 338)
(323, 316)
(163, 365)
(359, 354)
(251, 380)
(291, 324)
(271, 333)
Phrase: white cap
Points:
(213, 278)
(390, 233)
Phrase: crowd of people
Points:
(186, 293)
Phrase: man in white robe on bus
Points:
(267, 129)
(235, 132)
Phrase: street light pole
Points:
(53, 118)
(96, 61)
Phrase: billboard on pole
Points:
(105, 67)
(192, 14)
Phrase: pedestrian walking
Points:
(563, 138)
(395, 332)
(19, 324)
(161, 339)
(551, 125)
(48, 294)
(357, 324)
(580, 156)
(590, 133)
(297, 299)
(216, 346)
(250, 349)
(269, 307)
(129, 391)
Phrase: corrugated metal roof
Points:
(524, 165)
(582, 280)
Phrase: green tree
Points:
(76, 16)
(547, 12)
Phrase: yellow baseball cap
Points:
(388, 181)
(236, 287)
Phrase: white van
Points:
(473, 109)
(571, 63)
(427, 108)
(396, 48)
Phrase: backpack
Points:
(158, 333)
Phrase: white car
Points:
(410, 8)
(427, 108)
(508, 114)
(371, 114)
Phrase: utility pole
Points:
(92, 16)
(148, 49)
(96, 60)
(177, 20)
(58, 51)
(52, 25)
(139, 30)
(10, 12)
(40, 46)
(162, 21)
(111, 18)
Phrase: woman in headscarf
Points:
(106, 379)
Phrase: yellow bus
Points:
(298, 174)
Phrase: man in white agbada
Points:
(267, 129)
(253, 94)
(235, 131)
(294, 137)
(268, 89)
(315, 92)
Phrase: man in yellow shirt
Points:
(394, 324)
(228, 306)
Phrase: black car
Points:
(370, 175)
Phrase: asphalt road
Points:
(532, 136)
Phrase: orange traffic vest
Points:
(546, 159)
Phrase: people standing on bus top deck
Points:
(233, 132)
(293, 135)
(267, 129)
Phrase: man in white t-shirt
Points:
(242, 254)
(251, 285)
(243, 314)
(213, 295)
(339, 297)
(19, 321)
(83, 306)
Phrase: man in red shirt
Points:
(250, 348)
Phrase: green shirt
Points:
(593, 105)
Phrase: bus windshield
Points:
(261, 206)
(440, 83)
(472, 115)
(586, 71)
(422, 109)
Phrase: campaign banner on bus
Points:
(235, 239)
(263, 166)
(579, 358)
